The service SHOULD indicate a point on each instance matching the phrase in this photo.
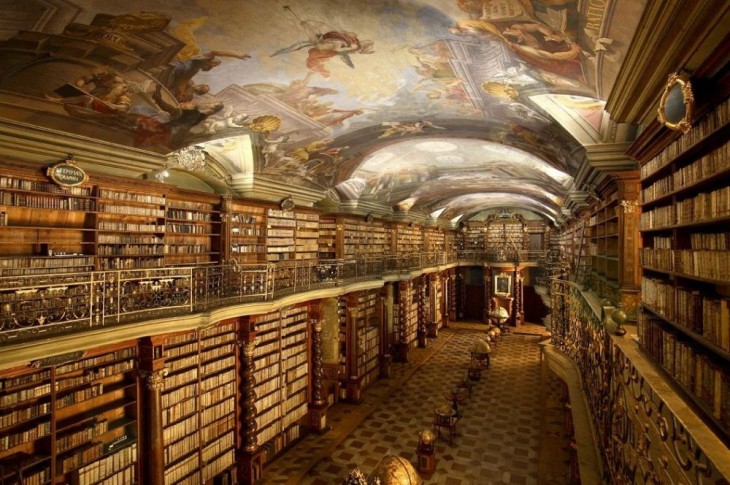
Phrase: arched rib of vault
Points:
(470, 204)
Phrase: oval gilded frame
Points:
(679, 81)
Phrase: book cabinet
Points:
(71, 419)
(361, 342)
(192, 229)
(199, 404)
(685, 322)
(282, 362)
(45, 228)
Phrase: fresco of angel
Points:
(324, 43)
(404, 128)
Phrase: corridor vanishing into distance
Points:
(515, 411)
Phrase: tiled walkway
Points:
(499, 434)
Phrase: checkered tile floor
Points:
(499, 436)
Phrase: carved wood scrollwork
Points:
(643, 442)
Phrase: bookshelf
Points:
(245, 227)
(72, 422)
(327, 243)
(603, 248)
(685, 323)
(130, 229)
(95, 417)
(307, 235)
(199, 405)
(45, 228)
(180, 407)
(280, 229)
(473, 236)
(192, 229)
(26, 407)
(360, 331)
(364, 239)
(408, 239)
(508, 235)
(405, 317)
(281, 360)
(218, 395)
(434, 240)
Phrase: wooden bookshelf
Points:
(506, 234)
(408, 239)
(280, 229)
(603, 248)
(73, 422)
(364, 239)
(95, 417)
(245, 228)
(180, 407)
(328, 237)
(193, 229)
(473, 236)
(306, 235)
(360, 332)
(45, 228)
(685, 325)
(130, 228)
(281, 360)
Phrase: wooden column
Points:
(422, 312)
(402, 346)
(250, 460)
(629, 277)
(152, 373)
(318, 404)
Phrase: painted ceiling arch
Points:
(312, 92)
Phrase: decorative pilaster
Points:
(629, 277)
(153, 383)
(402, 321)
(421, 324)
(318, 406)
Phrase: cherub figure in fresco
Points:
(325, 43)
(404, 128)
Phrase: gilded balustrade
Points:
(644, 440)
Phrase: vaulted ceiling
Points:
(444, 108)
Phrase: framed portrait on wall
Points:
(502, 284)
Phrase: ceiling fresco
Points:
(438, 106)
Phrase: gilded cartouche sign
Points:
(67, 174)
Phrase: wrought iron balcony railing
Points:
(35, 306)
(643, 429)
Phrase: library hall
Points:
(383, 242)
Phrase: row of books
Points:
(47, 202)
(22, 184)
(189, 215)
(717, 118)
(704, 315)
(699, 373)
(132, 197)
(133, 210)
(115, 469)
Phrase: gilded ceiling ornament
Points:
(264, 124)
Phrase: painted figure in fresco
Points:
(404, 128)
(325, 44)
(179, 79)
(535, 43)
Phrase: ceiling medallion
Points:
(192, 158)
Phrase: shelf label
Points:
(67, 174)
